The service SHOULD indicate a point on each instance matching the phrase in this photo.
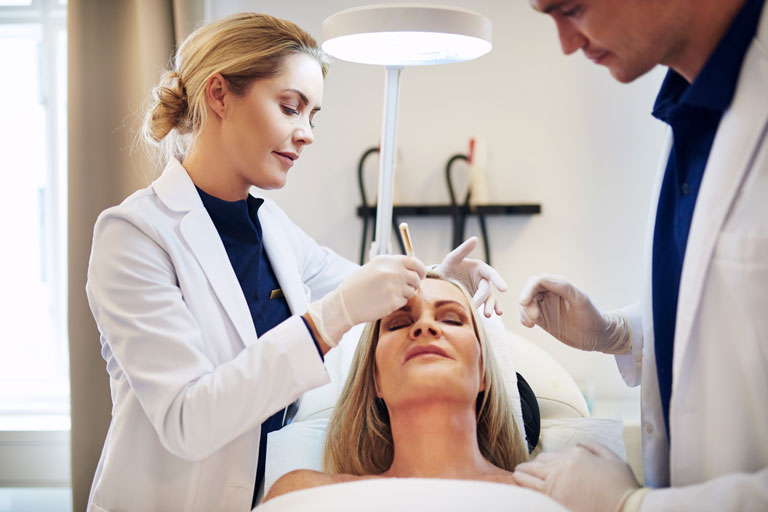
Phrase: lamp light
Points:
(394, 36)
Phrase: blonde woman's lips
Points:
(286, 158)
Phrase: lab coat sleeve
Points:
(631, 364)
(735, 492)
(194, 405)
(321, 268)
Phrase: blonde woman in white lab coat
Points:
(200, 290)
(214, 308)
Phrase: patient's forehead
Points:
(434, 290)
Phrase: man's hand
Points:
(566, 313)
(588, 478)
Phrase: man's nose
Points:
(570, 38)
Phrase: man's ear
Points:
(217, 94)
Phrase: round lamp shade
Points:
(406, 35)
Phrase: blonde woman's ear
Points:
(215, 93)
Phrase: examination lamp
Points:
(395, 36)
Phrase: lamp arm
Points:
(384, 205)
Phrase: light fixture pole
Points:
(398, 35)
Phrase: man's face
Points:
(629, 37)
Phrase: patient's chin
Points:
(433, 385)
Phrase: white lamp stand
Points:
(394, 36)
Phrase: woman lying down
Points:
(424, 398)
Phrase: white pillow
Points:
(561, 433)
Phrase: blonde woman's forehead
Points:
(301, 72)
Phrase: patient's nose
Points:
(425, 328)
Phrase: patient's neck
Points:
(436, 440)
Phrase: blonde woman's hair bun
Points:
(169, 108)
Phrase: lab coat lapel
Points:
(177, 191)
(283, 259)
(733, 152)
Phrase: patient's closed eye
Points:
(397, 321)
(451, 316)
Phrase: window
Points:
(34, 379)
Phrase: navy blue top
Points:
(693, 112)
(240, 230)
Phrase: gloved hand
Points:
(475, 275)
(566, 313)
(376, 289)
(588, 478)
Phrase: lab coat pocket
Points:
(740, 265)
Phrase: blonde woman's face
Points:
(267, 129)
(428, 349)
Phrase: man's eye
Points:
(569, 12)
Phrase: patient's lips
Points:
(424, 350)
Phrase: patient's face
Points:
(428, 349)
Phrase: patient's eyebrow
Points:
(448, 302)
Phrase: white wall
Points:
(560, 132)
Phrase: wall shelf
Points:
(458, 213)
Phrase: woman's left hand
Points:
(476, 275)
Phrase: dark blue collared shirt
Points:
(240, 230)
(693, 112)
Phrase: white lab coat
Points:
(190, 380)
(717, 458)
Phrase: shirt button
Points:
(686, 188)
(648, 428)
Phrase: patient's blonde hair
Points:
(243, 47)
(359, 439)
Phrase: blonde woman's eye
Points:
(290, 111)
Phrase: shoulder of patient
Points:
(305, 479)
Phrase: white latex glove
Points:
(566, 313)
(587, 478)
(475, 275)
(376, 289)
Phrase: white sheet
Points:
(417, 494)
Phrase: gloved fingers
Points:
(412, 279)
(460, 252)
(485, 271)
(482, 293)
(529, 315)
(535, 468)
(416, 265)
(489, 306)
(528, 481)
(537, 287)
(498, 308)
(560, 285)
(599, 450)
(531, 288)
